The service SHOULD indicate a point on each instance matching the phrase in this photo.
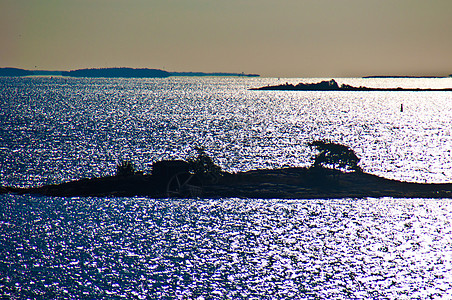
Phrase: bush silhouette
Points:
(335, 156)
(203, 164)
(125, 168)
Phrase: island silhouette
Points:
(334, 174)
(332, 85)
(115, 73)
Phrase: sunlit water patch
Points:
(225, 248)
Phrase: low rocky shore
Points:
(334, 174)
(286, 183)
(320, 183)
(332, 85)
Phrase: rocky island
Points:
(334, 174)
(332, 85)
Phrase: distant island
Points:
(113, 73)
(403, 76)
(13, 72)
(332, 85)
(117, 72)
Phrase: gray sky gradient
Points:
(286, 38)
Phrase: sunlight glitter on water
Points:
(228, 248)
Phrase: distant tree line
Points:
(113, 72)
(13, 72)
(118, 72)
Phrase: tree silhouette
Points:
(203, 164)
(335, 156)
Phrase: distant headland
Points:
(332, 85)
(117, 72)
(113, 73)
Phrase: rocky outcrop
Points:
(332, 85)
(286, 183)
(335, 174)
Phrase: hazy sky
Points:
(293, 38)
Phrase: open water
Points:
(60, 129)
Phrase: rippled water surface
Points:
(59, 129)
(226, 248)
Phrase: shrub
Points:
(203, 164)
(125, 168)
(335, 155)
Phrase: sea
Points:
(58, 129)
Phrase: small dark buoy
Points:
(401, 107)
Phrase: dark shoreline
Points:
(115, 73)
(333, 86)
(286, 183)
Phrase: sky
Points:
(273, 38)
